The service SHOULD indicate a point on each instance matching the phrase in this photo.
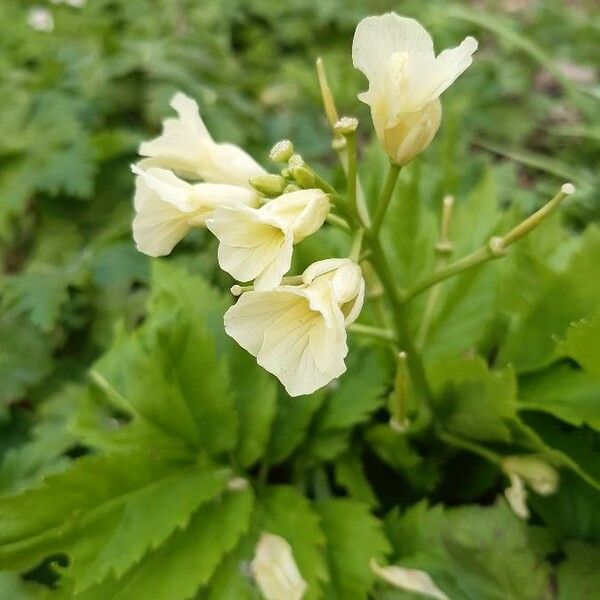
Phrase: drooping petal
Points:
(410, 580)
(275, 570)
(516, 495)
(294, 347)
(158, 225)
(167, 186)
(252, 245)
(289, 338)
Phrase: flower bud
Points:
(304, 177)
(275, 570)
(282, 151)
(345, 126)
(269, 185)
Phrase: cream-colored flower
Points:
(531, 471)
(516, 496)
(167, 207)
(186, 147)
(40, 19)
(410, 580)
(275, 570)
(298, 333)
(405, 80)
(257, 243)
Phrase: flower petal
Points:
(376, 39)
(411, 580)
(252, 245)
(275, 570)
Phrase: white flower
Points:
(405, 80)
(410, 580)
(537, 474)
(257, 243)
(516, 496)
(186, 147)
(40, 19)
(168, 207)
(275, 571)
(298, 333)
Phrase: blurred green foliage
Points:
(511, 350)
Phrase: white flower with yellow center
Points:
(167, 207)
(186, 147)
(405, 80)
(275, 570)
(257, 243)
(298, 333)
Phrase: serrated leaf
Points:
(472, 552)
(563, 391)
(105, 511)
(25, 356)
(581, 344)
(187, 559)
(472, 400)
(354, 537)
(285, 512)
(531, 343)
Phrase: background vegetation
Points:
(108, 359)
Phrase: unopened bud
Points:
(281, 151)
(304, 177)
(295, 161)
(338, 143)
(269, 185)
(345, 126)
(291, 187)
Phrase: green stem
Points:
(470, 446)
(351, 173)
(386, 196)
(381, 267)
(374, 332)
(495, 248)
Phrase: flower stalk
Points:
(495, 247)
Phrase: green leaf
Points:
(472, 400)
(581, 344)
(12, 587)
(563, 391)
(350, 475)
(358, 393)
(472, 552)
(531, 343)
(283, 511)
(25, 356)
(291, 422)
(354, 537)
(105, 512)
(578, 575)
(187, 559)
(256, 402)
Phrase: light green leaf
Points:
(186, 560)
(472, 400)
(354, 537)
(563, 391)
(581, 344)
(283, 511)
(578, 575)
(105, 511)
